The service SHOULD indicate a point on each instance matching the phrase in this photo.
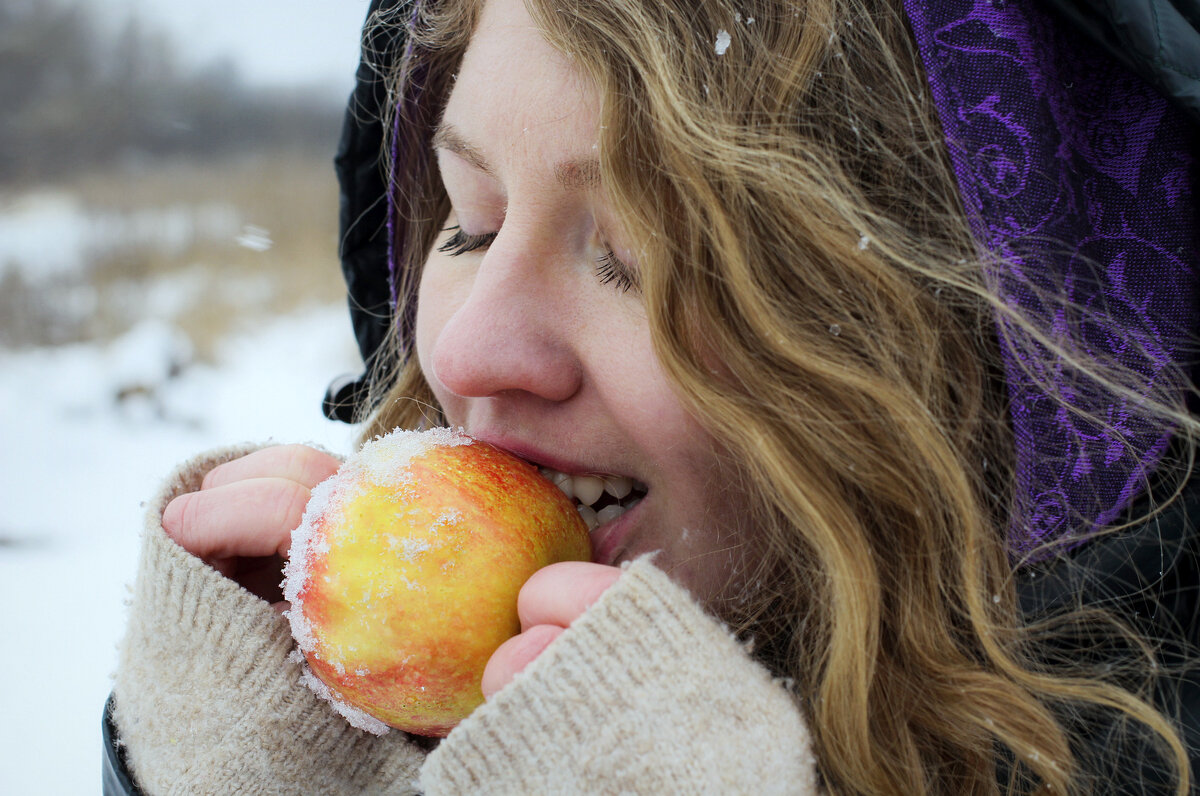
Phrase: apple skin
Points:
(403, 576)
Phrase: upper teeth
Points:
(618, 486)
(587, 489)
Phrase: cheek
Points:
(646, 400)
(437, 301)
(717, 549)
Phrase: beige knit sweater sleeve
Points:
(643, 694)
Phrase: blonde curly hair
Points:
(798, 222)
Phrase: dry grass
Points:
(209, 284)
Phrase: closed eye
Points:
(609, 268)
(462, 242)
(611, 271)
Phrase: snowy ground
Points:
(88, 431)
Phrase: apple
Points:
(403, 575)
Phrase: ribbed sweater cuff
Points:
(206, 698)
(644, 693)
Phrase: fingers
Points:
(241, 520)
(254, 517)
(248, 506)
(560, 593)
(553, 598)
(299, 463)
(514, 655)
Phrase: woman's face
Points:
(530, 327)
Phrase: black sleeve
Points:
(114, 771)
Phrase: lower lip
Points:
(607, 539)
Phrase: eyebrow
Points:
(448, 138)
(579, 174)
(575, 174)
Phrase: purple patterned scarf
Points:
(1077, 179)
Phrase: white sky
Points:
(294, 43)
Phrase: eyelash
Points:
(611, 271)
(609, 268)
(461, 243)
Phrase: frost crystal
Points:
(408, 549)
(356, 717)
(723, 41)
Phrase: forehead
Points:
(512, 85)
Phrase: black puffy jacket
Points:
(1158, 39)
(1149, 577)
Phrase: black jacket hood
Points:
(363, 210)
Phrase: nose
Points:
(511, 333)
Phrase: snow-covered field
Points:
(88, 430)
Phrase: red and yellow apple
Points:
(403, 576)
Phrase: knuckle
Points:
(227, 472)
(532, 644)
(529, 602)
(563, 591)
(601, 580)
(308, 465)
(290, 501)
(212, 477)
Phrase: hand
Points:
(241, 520)
(553, 598)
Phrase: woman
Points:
(721, 252)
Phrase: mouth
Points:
(600, 499)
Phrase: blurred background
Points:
(168, 283)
